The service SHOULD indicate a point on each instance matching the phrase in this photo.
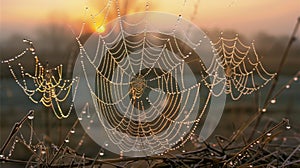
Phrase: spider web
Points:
(244, 72)
(46, 85)
(143, 79)
(151, 78)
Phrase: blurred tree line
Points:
(55, 43)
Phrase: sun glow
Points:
(100, 29)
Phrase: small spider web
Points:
(244, 72)
(46, 85)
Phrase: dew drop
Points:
(296, 78)
(79, 118)
(269, 134)
(288, 127)
(264, 110)
(72, 131)
(273, 101)
(67, 140)
(287, 86)
(31, 116)
(121, 154)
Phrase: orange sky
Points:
(245, 16)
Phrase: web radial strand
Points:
(144, 80)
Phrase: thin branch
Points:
(14, 130)
(285, 54)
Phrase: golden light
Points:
(100, 29)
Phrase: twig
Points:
(288, 158)
(280, 91)
(285, 54)
(28, 147)
(258, 138)
(64, 142)
(14, 161)
(259, 112)
(291, 163)
(96, 158)
(14, 130)
(256, 100)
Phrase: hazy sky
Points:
(276, 17)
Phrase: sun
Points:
(100, 29)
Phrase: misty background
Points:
(55, 43)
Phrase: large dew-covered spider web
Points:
(142, 79)
(153, 80)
